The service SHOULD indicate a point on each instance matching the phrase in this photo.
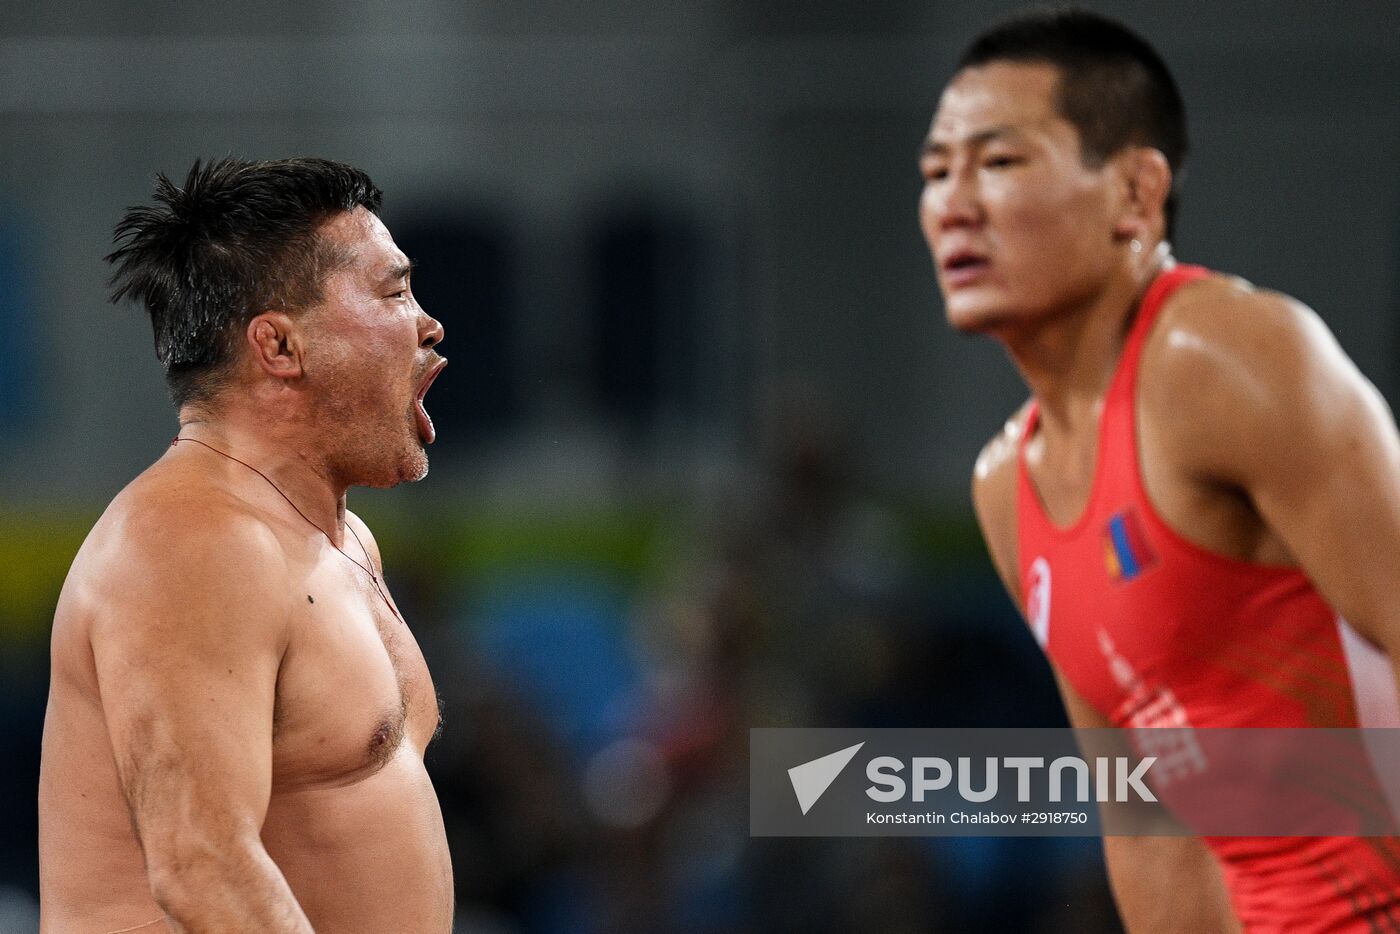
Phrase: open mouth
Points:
(426, 432)
(963, 267)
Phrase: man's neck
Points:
(1068, 360)
(277, 449)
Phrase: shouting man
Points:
(238, 712)
(1198, 510)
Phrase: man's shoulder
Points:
(994, 494)
(994, 487)
(171, 561)
(994, 473)
(1232, 369)
(172, 530)
(1222, 334)
(181, 515)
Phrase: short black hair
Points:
(1114, 86)
(237, 239)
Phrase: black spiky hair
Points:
(238, 238)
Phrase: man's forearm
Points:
(1168, 885)
(214, 890)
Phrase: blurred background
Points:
(705, 442)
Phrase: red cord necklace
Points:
(367, 568)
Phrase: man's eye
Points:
(1001, 162)
(935, 174)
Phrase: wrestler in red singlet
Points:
(1155, 631)
(1202, 488)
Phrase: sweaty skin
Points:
(237, 720)
(1255, 432)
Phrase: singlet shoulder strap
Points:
(1116, 422)
(1161, 289)
(1027, 429)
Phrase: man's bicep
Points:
(187, 657)
(1323, 470)
(1337, 509)
(186, 718)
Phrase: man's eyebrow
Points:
(932, 147)
(399, 271)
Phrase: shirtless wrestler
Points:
(1199, 509)
(238, 713)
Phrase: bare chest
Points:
(353, 687)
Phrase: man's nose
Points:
(430, 331)
(961, 203)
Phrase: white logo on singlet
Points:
(1159, 722)
(1038, 600)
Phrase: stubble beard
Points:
(391, 454)
(381, 452)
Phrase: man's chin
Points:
(414, 466)
(970, 313)
(970, 319)
(410, 467)
(413, 463)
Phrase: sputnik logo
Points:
(810, 780)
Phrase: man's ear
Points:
(277, 344)
(1147, 180)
